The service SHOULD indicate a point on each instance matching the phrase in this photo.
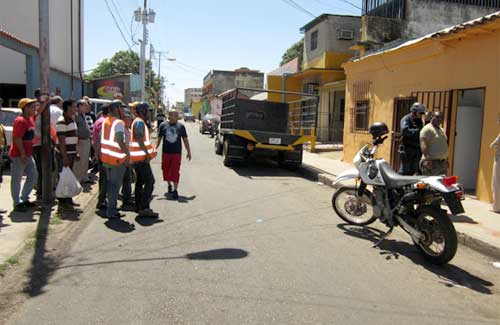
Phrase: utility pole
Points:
(145, 17)
(43, 29)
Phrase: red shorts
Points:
(171, 165)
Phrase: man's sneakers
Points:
(175, 195)
(24, 206)
(148, 213)
(20, 208)
(117, 215)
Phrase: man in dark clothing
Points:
(141, 152)
(409, 149)
(171, 132)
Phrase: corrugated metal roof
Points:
(442, 33)
(15, 38)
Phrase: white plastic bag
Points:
(68, 185)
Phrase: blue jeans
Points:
(18, 169)
(114, 182)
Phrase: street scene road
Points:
(254, 244)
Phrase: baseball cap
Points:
(25, 101)
(134, 104)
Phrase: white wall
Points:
(12, 67)
(20, 17)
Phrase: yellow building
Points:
(327, 43)
(456, 71)
(196, 107)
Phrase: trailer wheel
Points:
(225, 150)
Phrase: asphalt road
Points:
(257, 245)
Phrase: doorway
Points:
(469, 128)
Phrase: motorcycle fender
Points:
(349, 174)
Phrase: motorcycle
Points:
(411, 202)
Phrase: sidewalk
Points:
(478, 228)
(16, 228)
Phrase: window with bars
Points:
(360, 116)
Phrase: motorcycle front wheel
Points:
(439, 244)
(353, 209)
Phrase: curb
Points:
(475, 244)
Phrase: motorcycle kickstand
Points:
(383, 237)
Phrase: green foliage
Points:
(296, 50)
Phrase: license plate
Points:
(274, 140)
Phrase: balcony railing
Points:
(396, 8)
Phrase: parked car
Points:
(7, 119)
(209, 124)
(188, 117)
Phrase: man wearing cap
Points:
(141, 153)
(115, 154)
(126, 192)
(434, 144)
(409, 150)
(21, 154)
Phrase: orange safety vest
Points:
(136, 153)
(111, 153)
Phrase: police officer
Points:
(409, 149)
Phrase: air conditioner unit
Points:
(345, 34)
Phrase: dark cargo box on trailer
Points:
(255, 115)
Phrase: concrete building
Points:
(192, 94)
(455, 71)
(327, 45)
(390, 22)
(218, 81)
(19, 42)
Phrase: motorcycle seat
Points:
(394, 180)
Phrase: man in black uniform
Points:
(409, 150)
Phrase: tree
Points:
(294, 51)
(127, 62)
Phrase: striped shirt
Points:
(66, 127)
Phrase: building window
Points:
(360, 118)
(314, 40)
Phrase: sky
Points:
(203, 35)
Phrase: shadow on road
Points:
(119, 225)
(181, 199)
(263, 168)
(209, 255)
(450, 275)
(147, 222)
(42, 265)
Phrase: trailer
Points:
(263, 128)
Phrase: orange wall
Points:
(460, 61)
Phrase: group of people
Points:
(118, 140)
(424, 147)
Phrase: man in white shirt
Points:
(55, 110)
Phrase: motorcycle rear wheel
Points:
(440, 243)
(353, 209)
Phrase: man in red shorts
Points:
(171, 132)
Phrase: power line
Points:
(335, 7)
(352, 4)
(295, 5)
(117, 25)
(119, 14)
